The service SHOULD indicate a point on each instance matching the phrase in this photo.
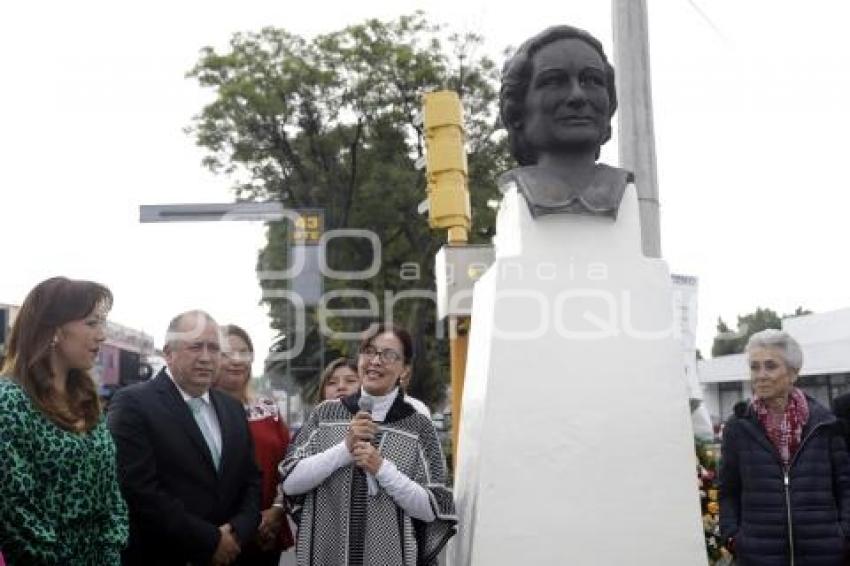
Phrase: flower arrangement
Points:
(708, 456)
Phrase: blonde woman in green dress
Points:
(59, 497)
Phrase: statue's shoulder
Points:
(520, 178)
(597, 192)
(613, 176)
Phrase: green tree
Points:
(332, 123)
(728, 341)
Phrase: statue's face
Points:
(567, 105)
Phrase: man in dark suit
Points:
(185, 457)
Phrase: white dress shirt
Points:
(207, 411)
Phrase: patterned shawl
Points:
(784, 430)
(337, 513)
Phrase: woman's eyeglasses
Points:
(387, 356)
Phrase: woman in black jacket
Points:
(785, 470)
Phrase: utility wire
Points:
(707, 20)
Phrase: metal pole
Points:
(459, 345)
(634, 93)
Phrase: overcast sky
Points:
(751, 119)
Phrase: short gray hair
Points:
(781, 341)
(175, 332)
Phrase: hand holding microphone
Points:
(361, 436)
(361, 428)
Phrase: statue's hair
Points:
(516, 77)
(780, 341)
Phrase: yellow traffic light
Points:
(445, 160)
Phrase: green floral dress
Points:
(59, 497)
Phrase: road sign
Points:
(206, 212)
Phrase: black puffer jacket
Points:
(754, 501)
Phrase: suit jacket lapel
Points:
(225, 425)
(178, 407)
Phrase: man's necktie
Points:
(196, 404)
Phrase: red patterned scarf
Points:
(785, 430)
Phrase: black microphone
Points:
(366, 404)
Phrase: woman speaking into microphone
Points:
(371, 437)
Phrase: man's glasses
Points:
(387, 356)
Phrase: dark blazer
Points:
(176, 498)
(812, 516)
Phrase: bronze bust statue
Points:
(557, 99)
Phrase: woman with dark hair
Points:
(339, 379)
(368, 470)
(59, 496)
(271, 439)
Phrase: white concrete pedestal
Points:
(575, 442)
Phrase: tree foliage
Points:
(331, 122)
(728, 341)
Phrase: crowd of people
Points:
(193, 467)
